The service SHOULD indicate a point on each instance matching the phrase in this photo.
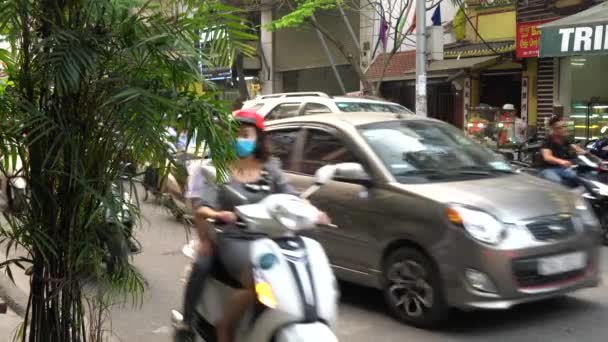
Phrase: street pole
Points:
(421, 58)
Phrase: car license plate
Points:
(562, 263)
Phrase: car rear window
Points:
(372, 107)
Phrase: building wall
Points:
(497, 26)
(319, 79)
(493, 24)
(300, 48)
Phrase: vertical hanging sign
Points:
(524, 98)
(466, 101)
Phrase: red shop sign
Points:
(528, 38)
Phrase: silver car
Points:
(435, 220)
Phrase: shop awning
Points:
(462, 64)
(403, 67)
(583, 33)
(452, 67)
(399, 63)
(465, 50)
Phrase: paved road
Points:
(581, 317)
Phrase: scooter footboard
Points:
(313, 332)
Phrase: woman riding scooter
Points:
(254, 176)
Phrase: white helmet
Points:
(508, 106)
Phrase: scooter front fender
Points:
(313, 332)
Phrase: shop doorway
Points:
(442, 102)
(498, 89)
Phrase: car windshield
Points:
(372, 107)
(430, 150)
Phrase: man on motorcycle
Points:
(557, 152)
(254, 175)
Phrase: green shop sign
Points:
(574, 40)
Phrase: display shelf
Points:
(596, 114)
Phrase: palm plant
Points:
(93, 78)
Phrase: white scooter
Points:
(297, 292)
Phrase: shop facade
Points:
(579, 45)
(550, 75)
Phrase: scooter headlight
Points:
(481, 226)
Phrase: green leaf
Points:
(305, 10)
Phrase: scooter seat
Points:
(221, 274)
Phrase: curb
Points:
(15, 298)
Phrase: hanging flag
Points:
(436, 18)
(400, 24)
(383, 32)
(413, 26)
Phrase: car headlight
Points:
(481, 226)
(584, 212)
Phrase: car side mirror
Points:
(325, 174)
(352, 172)
(347, 171)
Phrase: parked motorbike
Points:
(528, 153)
(296, 290)
(599, 147)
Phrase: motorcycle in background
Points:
(592, 174)
(599, 147)
(296, 290)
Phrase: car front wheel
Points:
(412, 289)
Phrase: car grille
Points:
(551, 228)
(526, 274)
